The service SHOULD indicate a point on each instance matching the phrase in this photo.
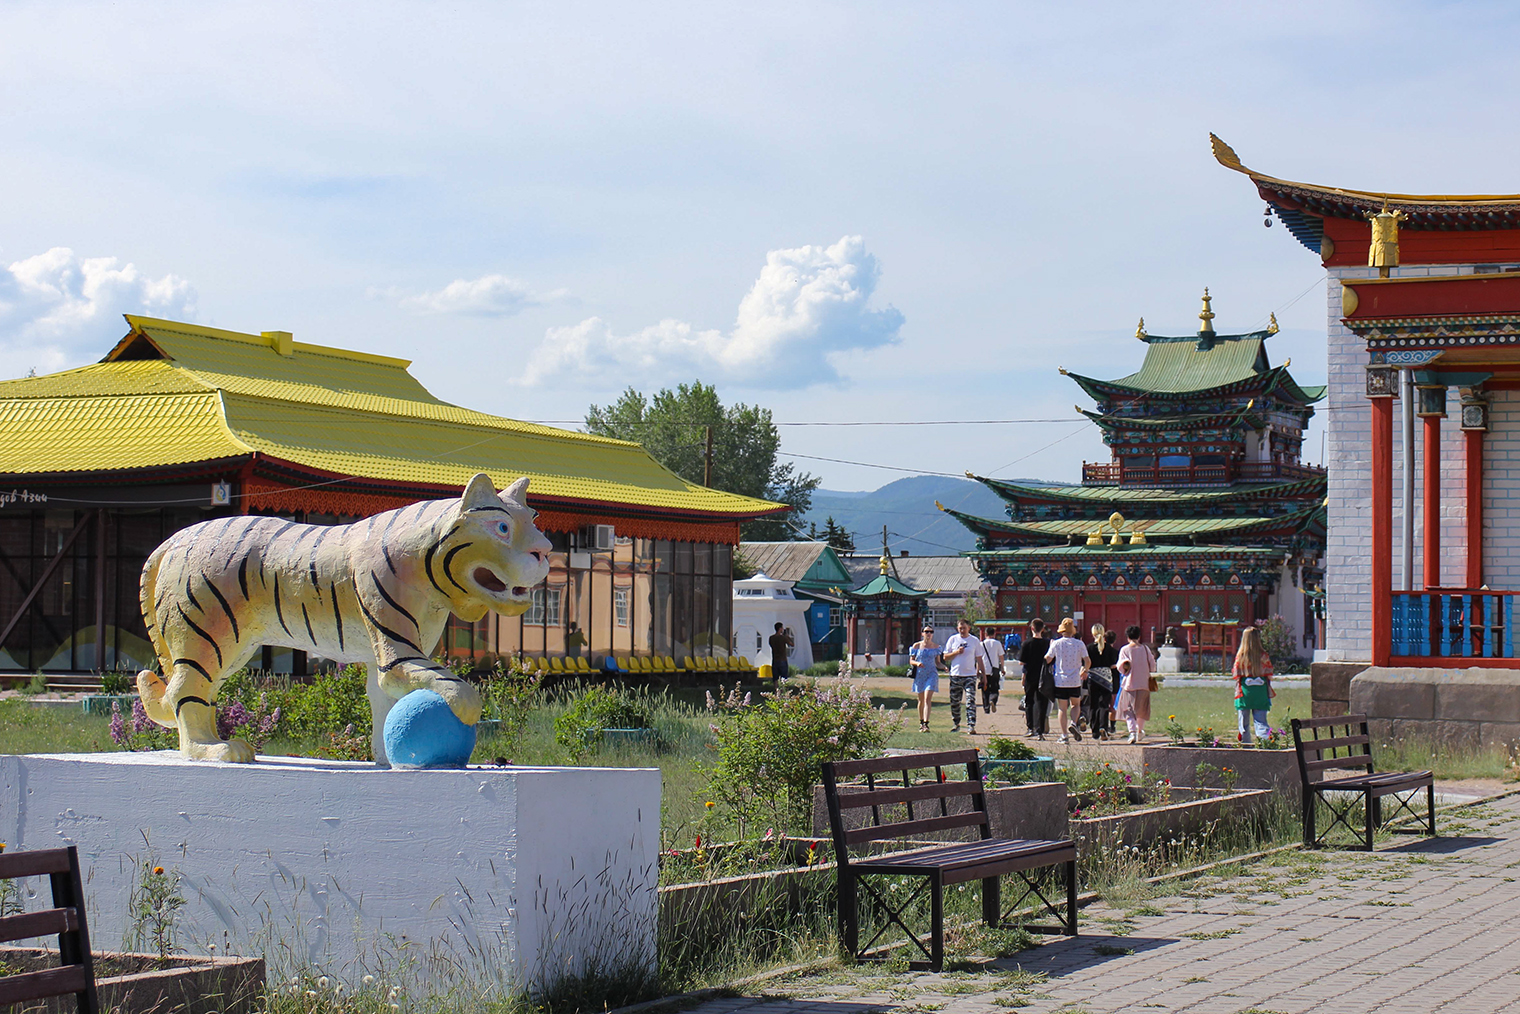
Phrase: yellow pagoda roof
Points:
(172, 393)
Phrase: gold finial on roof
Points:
(1272, 323)
(1207, 316)
(1140, 329)
(885, 563)
(1062, 369)
(1095, 537)
(1136, 538)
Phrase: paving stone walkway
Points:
(1420, 925)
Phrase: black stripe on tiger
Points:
(386, 552)
(307, 617)
(393, 603)
(190, 593)
(428, 559)
(225, 607)
(279, 613)
(192, 663)
(243, 577)
(337, 616)
(448, 562)
(387, 631)
(188, 700)
(316, 582)
(205, 636)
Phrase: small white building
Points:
(760, 602)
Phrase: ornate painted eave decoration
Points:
(1308, 521)
(1424, 211)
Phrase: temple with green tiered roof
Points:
(1204, 521)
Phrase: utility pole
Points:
(707, 460)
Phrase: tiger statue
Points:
(378, 592)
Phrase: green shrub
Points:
(331, 702)
(1277, 642)
(509, 695)
(894, 670)
(769, 752)
(36, 685)
(594, 711)
(1003, 748)
(118, 683)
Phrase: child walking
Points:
(1253, 686)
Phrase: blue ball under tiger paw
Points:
(421, 731)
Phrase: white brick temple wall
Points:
(1348, 562)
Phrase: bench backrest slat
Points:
(38, 985)
(33, 864)
(1357, 760)
(853, 798)
(889, 803)
(903, 762)
(914, 828)
(38, 924)
(1320, 723)
(1320, 746)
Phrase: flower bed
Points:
(129, 983)
(1219, 767)
(1197, 809)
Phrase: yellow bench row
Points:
(559, 665)
(667, 664)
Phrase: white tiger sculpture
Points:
(377, 592)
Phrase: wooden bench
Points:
(76, 971)
(939, 864)
(1346, 745)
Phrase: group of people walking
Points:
(1087, 685)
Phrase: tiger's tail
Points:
(151, 685)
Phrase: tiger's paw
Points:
(462, 698)
(234, 751)
(151, 689)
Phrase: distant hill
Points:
(906, 507)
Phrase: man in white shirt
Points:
(962, 651)
(993, 685)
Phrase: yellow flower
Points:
(2, 846)
(158, 871)
(709, 804)
(1171, 718)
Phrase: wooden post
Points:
(1473, 445)
(1431, 502)
(1382, 530)
(100, 590)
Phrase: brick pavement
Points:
(1421, 925)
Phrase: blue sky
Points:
(843, 211)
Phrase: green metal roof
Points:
(1089, 495)
(886, 584)
(1178, 364)
(1160, 528)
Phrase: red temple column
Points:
(1380, 389)
(1432, 409)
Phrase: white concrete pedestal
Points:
(1169, 658)
(508, 875)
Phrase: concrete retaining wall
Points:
(511, 875)
(1454, 709)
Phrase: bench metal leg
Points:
(1430, 807)
(1370, 813)
(937, 924)
(992, 901)
(1311, 798)
(1071, 897)
(849, 914)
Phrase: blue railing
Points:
(1435, 624)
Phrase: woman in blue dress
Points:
(924, 664)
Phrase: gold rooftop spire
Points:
(1207, 316)
(1140, 329)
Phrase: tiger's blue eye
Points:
(502, 528)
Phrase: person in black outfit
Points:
(1101, 681)
(1032, 656)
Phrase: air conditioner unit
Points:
(597, 537)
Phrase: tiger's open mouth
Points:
(490, 582)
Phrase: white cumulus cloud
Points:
(57, 308)
(486, 296)
(809, 304)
